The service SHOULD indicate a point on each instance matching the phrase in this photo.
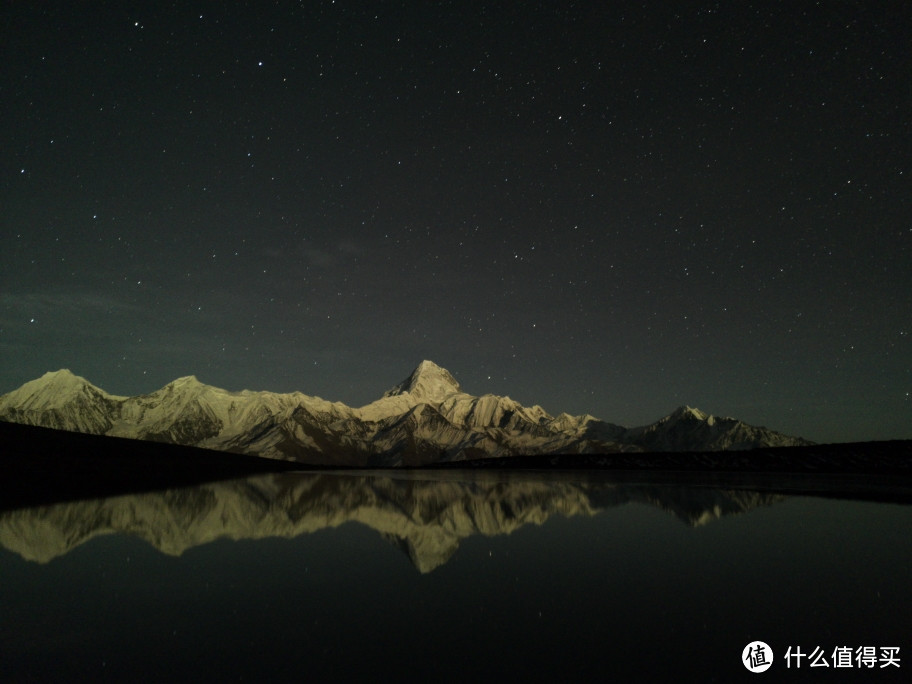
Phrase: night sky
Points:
(602, 208)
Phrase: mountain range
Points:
(424, 419)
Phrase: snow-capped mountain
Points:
(425, 418)
(63, 401)
(687, 426)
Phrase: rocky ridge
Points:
(424, 419)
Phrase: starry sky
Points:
(606, 208)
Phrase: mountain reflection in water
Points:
(528, 576)
(426, 518)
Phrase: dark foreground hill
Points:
(41, 465)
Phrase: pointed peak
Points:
(685, 411)
(427, 381)
(52, 389)
(185, 382)
(63, 372)
(183, 385)
(61, 378)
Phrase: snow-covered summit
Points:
(62, 400)
(185, 381)
(428, 382)
(63, 380)
(188, 384)
(685, 411)
(52, 390)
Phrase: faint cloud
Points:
(71, 302)
(319, 258)
(350, 248)
(331, 257)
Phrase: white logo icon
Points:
(757, 656)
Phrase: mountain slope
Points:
(687, 427)
(63, 401)
(426, 418)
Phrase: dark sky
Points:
(598, 207)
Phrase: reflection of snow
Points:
(427, 515)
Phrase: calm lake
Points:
(455, 577)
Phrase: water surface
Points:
(448, 577)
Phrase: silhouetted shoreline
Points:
(42, 465)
